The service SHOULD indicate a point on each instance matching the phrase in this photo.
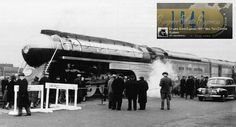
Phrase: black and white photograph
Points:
(117, 63)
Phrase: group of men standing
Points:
(8, 91)
(79, 80)
(117, 85)
(189, 86)
(23, 96)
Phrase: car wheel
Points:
(200, 98)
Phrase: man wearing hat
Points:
(81, 88)
(110, 91)
(43, 82)
(23, 97)
(117, 89)
(142, 93)
(165, 85)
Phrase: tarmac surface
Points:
(183, 113)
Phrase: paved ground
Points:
(183, 113)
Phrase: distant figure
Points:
(4, 84)
(23, 97)
(203, 82)
(10, 92)
(110, 91)
(105, 90)
(196, 85)
(81, 88)
(182, 86)
(190, 87)
(165, 85)
(33, 95)
(45, 79)
(84, 88)
(206, 81)
(62, 92)
(142, 93)
(125, 78)
(131, 91)
(118, 88)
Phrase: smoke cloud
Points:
(158, 67)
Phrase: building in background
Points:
(8, 69)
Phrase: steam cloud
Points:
(158, 67)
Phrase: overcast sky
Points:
(126, 20)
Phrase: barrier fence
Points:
(40, 88)
(60, 86)
(30, 88)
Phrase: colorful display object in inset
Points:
(194, 20)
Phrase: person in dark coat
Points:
(4, 84)
(118, 88)
(80, 90)
(206, 80)
(105, 90)
(131, 91)
(110, 91)
(142, 93)
(10, 92)
(43, 82)
(182, 86)
(203, 82)
(23, 97)
(33, 95)
(84, 89)
(196, 85)
(189, 87)
(165, 85)
(62, 92)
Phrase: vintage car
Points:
(218, 88)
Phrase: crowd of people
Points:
(30, 99)
(23, 95)
(188, 86)
(8, 91)
(117, 87)
(79, 80)
(135, 91)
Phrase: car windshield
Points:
(216, 82)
